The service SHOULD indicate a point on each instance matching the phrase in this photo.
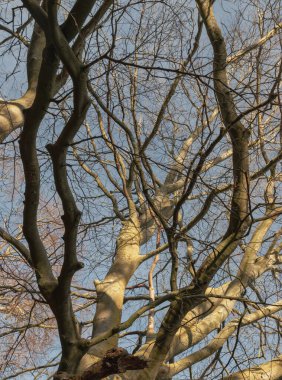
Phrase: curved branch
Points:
(20, 247)
(269, 370)
(221, 339)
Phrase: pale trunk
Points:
(110, 291)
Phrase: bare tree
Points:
(141, 189)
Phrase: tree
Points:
(144, 155)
